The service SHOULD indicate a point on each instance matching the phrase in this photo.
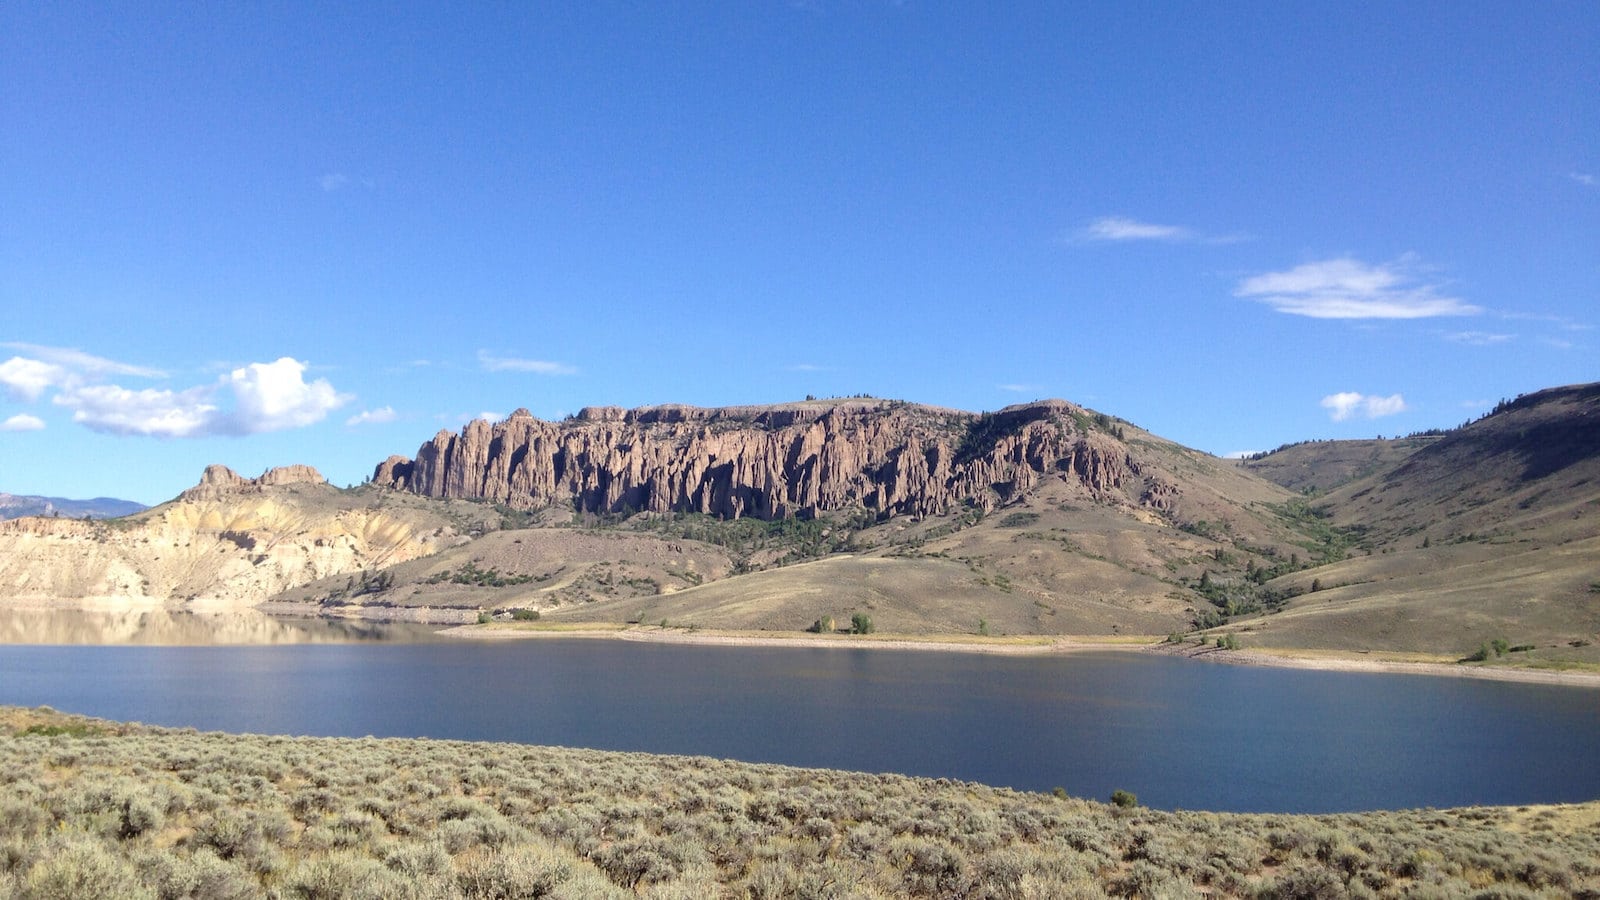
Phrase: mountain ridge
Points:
(16, 506)
(1044, 518)
(890, 457)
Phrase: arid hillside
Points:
(1316, 467)
(229, 541)
(1491, 531)
(1039, 519)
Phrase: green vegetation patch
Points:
(469, 574)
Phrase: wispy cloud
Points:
(492, 363)
(1479, 338)
(809, 367)
(1120, 228)
(1018, 388)
(372, 417)
(1346, 288)
(1240, 454)
(27, 378)
(338, 181)
(1349, 404)
(85, 362)
(22, 422)
(43, 368)
(1587, 179)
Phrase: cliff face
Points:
(775, 461)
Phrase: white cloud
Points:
(1018, 388)
(110, 409)
(266, 397)
(1347, 288)
(491, 363)
(1349, 404)
(372, 416)
(1118, 228)
(26, 379)
(808, 367)
(275, 396)
(22, 422)
(333, 181)
(1584, 178)
(1240, 454)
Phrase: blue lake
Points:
(1179, 733)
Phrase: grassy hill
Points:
(1316, 467)
(1491, 531)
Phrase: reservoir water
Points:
(1178, 733)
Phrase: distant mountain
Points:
(14, 506)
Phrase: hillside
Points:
(1316, 467)
(1491, 531)
(229, 541)
(1040, 519)
(1044, 518)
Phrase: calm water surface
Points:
(1178, 733)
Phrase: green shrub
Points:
(343, 876)
(140, 815)
(1124, 799)
(860, 623)
(78, 867)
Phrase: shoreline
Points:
(1025, 645)
(1031, 645)
(1334, 661)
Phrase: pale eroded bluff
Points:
(770, 462)
(228, 541)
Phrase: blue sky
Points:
(261, 234)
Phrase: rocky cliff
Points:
(770, 462)
(220, 481)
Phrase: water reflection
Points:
(167, 627)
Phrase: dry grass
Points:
(91, 808)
